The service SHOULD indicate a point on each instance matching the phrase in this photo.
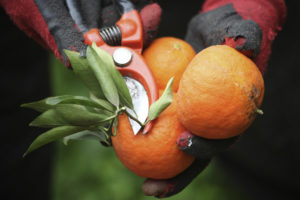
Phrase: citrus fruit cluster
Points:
(219, 93)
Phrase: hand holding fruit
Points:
(249, 26)
(238, 24)
(217, 99)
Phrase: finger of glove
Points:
(150, 15)
(213, 27)
(61, 27)
(169, 187)
(85, 13)
(202, 148)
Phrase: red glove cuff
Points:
(268, 14)
(29, 19)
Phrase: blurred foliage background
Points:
(86, 170)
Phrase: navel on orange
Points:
(219, 93)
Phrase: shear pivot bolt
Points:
(122, 57)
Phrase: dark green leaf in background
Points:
(117, 77)
(103, 76)
(52, 135)
(83, 71)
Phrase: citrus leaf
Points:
(103, 103)
(100, 103)
(86, 134)
(118, 79)
(82, 70)
(52, 135)
(45, 104)
(162, 103)
(69, 115)
(50, 102)
(103, 76)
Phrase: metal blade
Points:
(140, 102)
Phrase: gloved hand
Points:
(250, 26)
(61, 24)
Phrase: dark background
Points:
(263, 164)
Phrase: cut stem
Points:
(134, 118)
(259, 111)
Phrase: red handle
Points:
(132, 38)
(131, 28)
(130, 25)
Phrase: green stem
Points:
(135, 119)
(109, 118)
(104, 131)
(259, 111)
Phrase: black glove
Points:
(202, 149)
(221, 26)
(249, 26)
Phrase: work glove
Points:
(249, 26)
(61, 24)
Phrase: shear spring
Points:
(111, 35)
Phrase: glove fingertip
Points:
(150, 16)
(153, 187)
(184, 140)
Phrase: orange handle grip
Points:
(130, 25)
(132, 38)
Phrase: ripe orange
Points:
(168, 57)
(219, 93)
(156, 154)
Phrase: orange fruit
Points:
(156, 154)
(219, 93)
(168, 57)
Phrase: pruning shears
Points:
(124, 41)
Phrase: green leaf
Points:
(69, 115)
(117, 77)
(162, 103)
(100, 103)
(86, 134)
(45, 104)
(51, 136)
(103, 76)
(50, 102)
(83, 71)
(103, 103)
